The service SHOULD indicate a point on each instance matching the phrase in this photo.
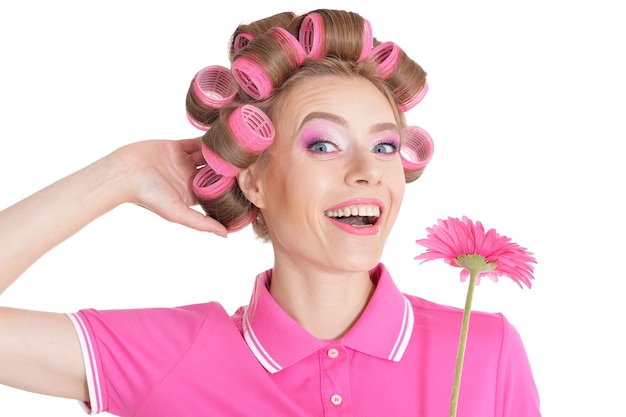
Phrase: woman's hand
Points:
(158, 176)
(155, 174)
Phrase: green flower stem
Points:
(462, 342)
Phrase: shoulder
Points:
(446, 320)
(182, 322)
(192, 312)
(446, 312)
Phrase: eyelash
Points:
(315, 142)
(394, 145)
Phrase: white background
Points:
(526, 107)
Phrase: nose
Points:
(364, 168)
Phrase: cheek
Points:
(309, 182)
(287, 181)
(397, 183)
(395, 175)
(399, 191)
(397, 196)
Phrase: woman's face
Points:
(332, 184)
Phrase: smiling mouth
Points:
(357, 215)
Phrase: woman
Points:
(303, 138)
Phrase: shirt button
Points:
(333, 353)
(336, 399)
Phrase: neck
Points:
(326, 304)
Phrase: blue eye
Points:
(323, 146)
(385, 147)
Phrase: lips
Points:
(359, 216)
(356, 214)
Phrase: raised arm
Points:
(39, 351)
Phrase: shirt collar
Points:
(278, 341)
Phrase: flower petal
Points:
(453, 237)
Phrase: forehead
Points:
(353, 99)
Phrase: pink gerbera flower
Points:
(463, 244)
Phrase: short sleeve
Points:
(127, 352)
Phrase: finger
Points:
(191, 145)
(198, 221)
(197, 159)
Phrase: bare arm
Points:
(39, 351)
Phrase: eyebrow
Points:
(334, 118)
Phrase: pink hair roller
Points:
(252, 128)
(417, 148)
(243, 222)
(368, 40)
(208, 184)
(252, 78)
(241, 40)
(415, 100)
(310, 35)
(219, 165)
(387, 55)
(289, 43)
(196, 123)
(214, 86)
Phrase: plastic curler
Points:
(368, 40)
(241, 40)
(214, 86)
(417, 148)
(310, 35)
(391, 59)
(289, 43)
(208, 184)
(252, 77)
(252, 128)
(415, 100)
(196, 123)
(211, 88)
(387, 56)
(213, 190)
(218, 164)
(238, 224)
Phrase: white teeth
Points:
(369, 211)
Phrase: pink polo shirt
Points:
(397, 360)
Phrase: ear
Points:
(251, 185)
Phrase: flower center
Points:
(475, 262)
